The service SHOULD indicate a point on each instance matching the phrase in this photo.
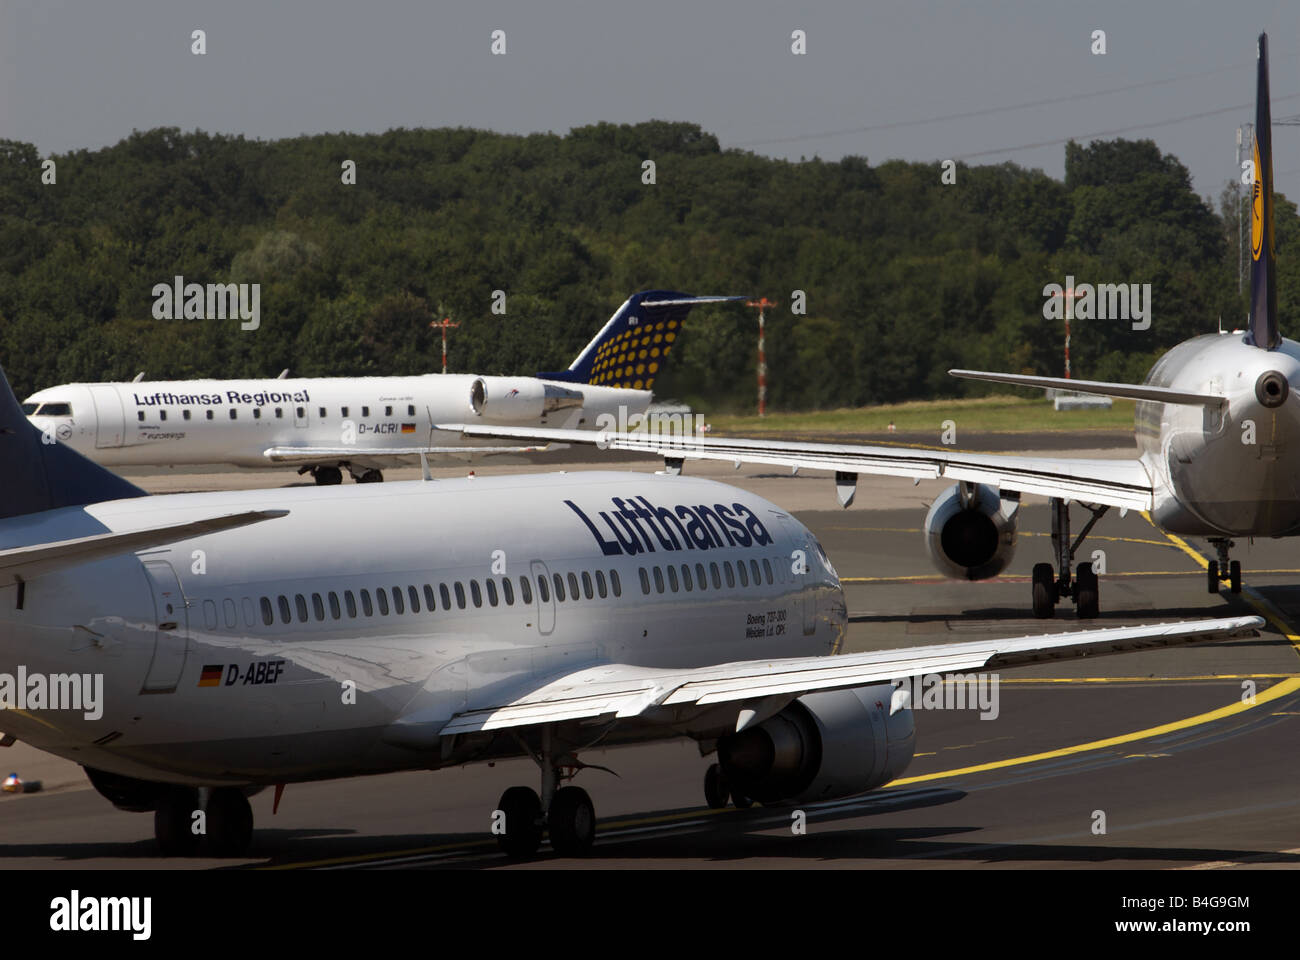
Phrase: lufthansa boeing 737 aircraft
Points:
(256, 638)
(1218, 430)
(361, 424)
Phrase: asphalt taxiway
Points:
(1176, 759)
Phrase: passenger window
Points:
(543, 590)
(210, 614)
(162, 414)
(286, 615)
(446, 596)
(613, 582)
(586, 585)
(410, 409)
(491, 591)
(398, 606)
(460, 595)
(268, 615)
(322, 413)
(301, 603)
(185, 414)
(573, 586)
(686, 577)
(366, 608)
(335, 612)
(672, 578)
(753, 568)
(350, 603)
(475, 593)
(645, 580)
(700, 577)
(659, 580)
(234, 414)
(430, 604)
(731, 577)
(388, 411)
(344, 411)
(279, 413)
(508, 589)
(249, 619)
(767, 570)
(139, 415)
(381, 601)
(525, 590)
(559, 587)
(232, 615)
(318, 606)
(257, 413)
(365, 411)
(742, 573)
(208, 412)
(300, 411)
(600, 584)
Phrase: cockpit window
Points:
(29, 408)
(55, 410)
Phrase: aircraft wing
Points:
(1118, 483)
(32, 561)
(390, 456)
(622, 691)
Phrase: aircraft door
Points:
(545, 604)
(173, 630)
(110, 421)
(802, 551)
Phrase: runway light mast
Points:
(762, 306)
(1069, 296)
(444, 323)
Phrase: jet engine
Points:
(820, 747)
(515, 399)
(126, 793)
(970, 531)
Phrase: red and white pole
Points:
(762, 305)
(444, 324)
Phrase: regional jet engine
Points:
(822, 746)
(970, 531)
(519, 399)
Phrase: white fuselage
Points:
(165, 423)
(287, 650)
(1228, 472)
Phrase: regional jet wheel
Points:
(715, 787)
(173, 819)
(522, 810)
(328, 476)
(1234, 575)
(741, 801)
(371, 476)
(1044, 591)
(230, 822)
(1212, 576)
(572, 822)
(1086, 592)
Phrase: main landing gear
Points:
(1051, 585)
(228, 822)
(324, 476)
(717, 791)
(1217, 568)
(566, 812)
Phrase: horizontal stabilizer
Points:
(1132, 391)
(24, 563)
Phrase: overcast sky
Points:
(84, 74)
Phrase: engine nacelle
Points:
(126, 793)
(970, 531)
(820, 747)
(514, 399)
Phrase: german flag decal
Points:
(211, 675)
(408, 428)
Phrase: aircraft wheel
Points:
(1086, 589)
(1044, 591)
(230, 822)
(741, 801)
(1212, 576)
(715, 787)
(172, 821)
(371, 476)
(328, 476)
(522, 809)
(1234, 575)
(572, 822)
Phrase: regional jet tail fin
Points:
(27, 562)
(38, 473)
(1263, 330)
(1133, 391)
(618, 357)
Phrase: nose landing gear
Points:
(1217, 568)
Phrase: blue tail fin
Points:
(36, 475)
(1263, 330)
(631, 349)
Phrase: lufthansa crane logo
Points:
(1257, 210)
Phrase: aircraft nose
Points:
(1272, 389)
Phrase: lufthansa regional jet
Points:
(362, 424)
(1218, 433)
(259, 638)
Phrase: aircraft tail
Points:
(37, 474)
(631, 349)
(1263, 331)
